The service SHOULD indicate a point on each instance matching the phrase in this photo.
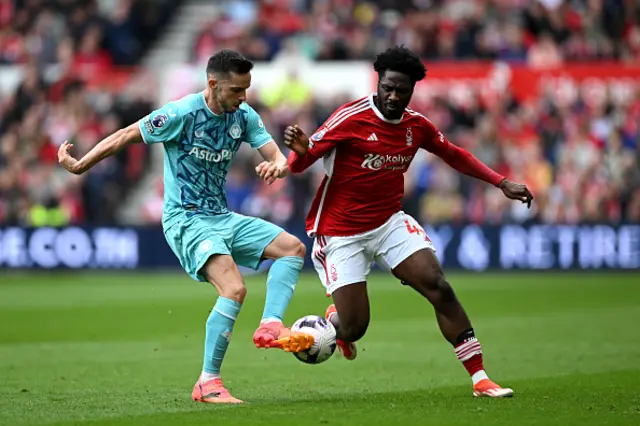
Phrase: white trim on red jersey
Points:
(327, 162)
(329, 158)
(356, 108)
(417, 114)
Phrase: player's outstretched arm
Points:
(463, 161)
(275, 164)
(105, 148)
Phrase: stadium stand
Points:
(581, 159)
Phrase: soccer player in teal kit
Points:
(201, 134)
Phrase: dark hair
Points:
(226, 61)
(402, 60)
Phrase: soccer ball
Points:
(324, 335)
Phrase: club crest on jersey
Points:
(159, 120)
(235, 131)
(409, 136)
(205, 246)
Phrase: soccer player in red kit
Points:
(356, 216)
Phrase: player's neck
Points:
(378, 107)
(211, 102)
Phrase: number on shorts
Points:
(412, 228)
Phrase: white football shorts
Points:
(341, 261)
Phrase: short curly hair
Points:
(402, 60)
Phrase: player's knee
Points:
(294, 247)
(435, 286)
(445, 291)
(440, 288)
(299, 249)
(236, 291)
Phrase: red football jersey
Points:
(365, 157)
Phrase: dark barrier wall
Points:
(470, 247)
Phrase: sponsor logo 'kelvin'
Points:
(394, 162)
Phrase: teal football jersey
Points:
(199, 146)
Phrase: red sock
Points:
(469, 352)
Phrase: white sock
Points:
(477, 377)
(206, 377)
(268, 320)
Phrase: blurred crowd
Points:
(96, 34)
(541, 32)
(35, 121)
(69, 51)
(581, 160)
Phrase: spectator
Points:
(544, 30)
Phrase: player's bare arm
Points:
(107, 147)
(275, 164)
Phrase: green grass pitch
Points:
(125, 349)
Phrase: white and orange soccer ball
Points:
(324, 336)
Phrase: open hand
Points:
(66, 160)
(516, 191)
(296, 140)
(269, 171)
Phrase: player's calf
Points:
(350, 331)
(422, 272)
(348, 349)
(352, 303)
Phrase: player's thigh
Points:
(195, 239)
(401, 237)
(421, 271)
(409, 254)
(285, 245)
(340, 261)
(251, 237)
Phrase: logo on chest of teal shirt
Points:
(235, 131)
(213, 157)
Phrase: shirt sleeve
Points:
(162, 125)
(458, 158)
(326, 138)
(256, 134)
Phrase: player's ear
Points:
(212, 81)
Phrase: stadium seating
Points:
(581, 159)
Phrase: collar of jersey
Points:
(379, 114)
